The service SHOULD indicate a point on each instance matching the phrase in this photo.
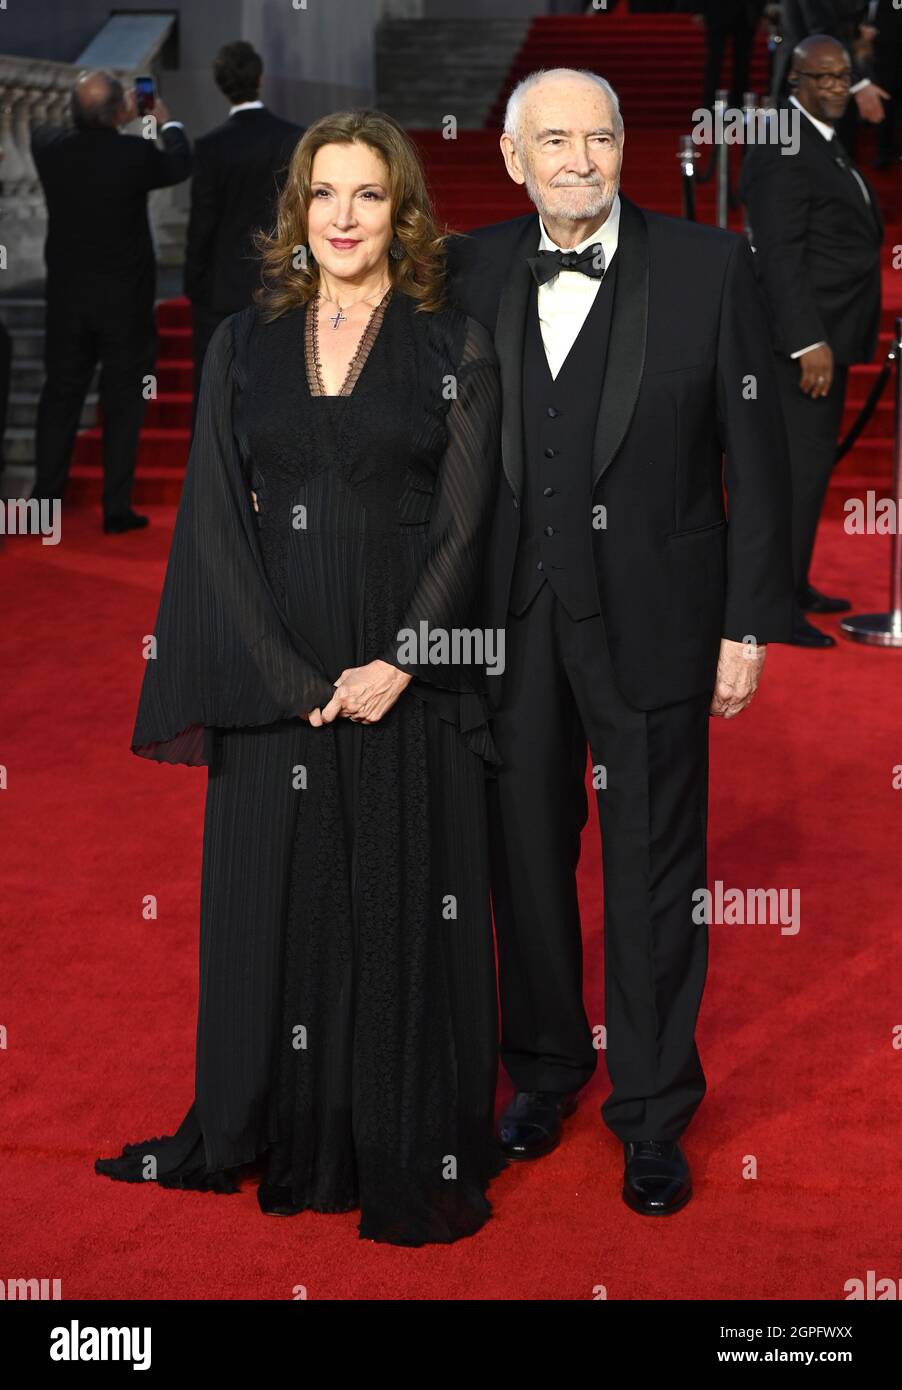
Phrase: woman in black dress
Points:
(337, 495)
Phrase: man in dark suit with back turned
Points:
(239, 170)
(634, 353)
(101, 280)
(736, 20)
(817, 230)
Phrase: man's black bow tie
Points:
(547, 264)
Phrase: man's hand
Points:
(870, 104)
(364, 694)
(817, 371)
(739, 668)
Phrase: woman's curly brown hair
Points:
(290, 278)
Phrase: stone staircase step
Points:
(427, 69)
(22, 410)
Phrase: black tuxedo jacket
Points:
(689, 377)
(96, 184)
(818, 246)
(239, 169)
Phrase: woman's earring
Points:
(396, 249)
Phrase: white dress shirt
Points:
(564, 301)
(241, 106)
(828, 133)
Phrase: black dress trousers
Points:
(812, 427)
(651, 769)
(82, 329)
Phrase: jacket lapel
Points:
(844, 180)
(510, 328)
(626, 345)
(876, 214)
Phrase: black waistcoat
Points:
(559, 420)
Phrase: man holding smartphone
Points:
(101, 277)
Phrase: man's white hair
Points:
(514, 108)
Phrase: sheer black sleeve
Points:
(223, 656)
(448, 591)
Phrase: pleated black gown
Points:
(347, 1014)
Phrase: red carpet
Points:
(99, 1004)
(796, 1032)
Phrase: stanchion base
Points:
(874, 629)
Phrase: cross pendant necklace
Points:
(340, 316)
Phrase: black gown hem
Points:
(476, 1208)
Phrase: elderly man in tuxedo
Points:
(634, 356)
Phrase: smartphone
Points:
(145, 94)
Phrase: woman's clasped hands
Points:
(363, 694)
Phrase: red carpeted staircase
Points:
(653, 62)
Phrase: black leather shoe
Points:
(656, 1179)
(276, 1201)
(531, 1125)
(810, 601)
(124, 521)
(805, 634)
